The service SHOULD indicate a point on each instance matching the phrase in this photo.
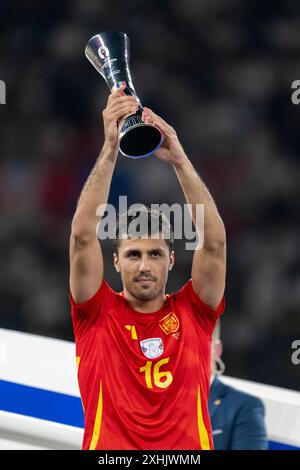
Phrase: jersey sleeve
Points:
(85, 315)
(205, 315)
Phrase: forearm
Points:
(94, 193)
(196, 192)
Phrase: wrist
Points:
(181, 162)
(110, 150)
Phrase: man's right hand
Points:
(119, 107)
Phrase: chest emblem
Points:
(169, 323)
(152, 347)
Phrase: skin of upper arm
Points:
(86, 268)
(209, 273)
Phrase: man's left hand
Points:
(171, 150)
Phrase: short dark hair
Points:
(152, 217)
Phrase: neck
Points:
(145, 306)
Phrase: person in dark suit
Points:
(237, 418)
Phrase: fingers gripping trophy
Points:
(109, 54)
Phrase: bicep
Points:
(86, 268)
(209, 273)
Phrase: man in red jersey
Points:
(144, 356)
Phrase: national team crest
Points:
(152, 347)
(169, 323)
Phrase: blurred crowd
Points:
(220, 72)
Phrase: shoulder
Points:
(89, 313)
(103, 291)
(188, 297)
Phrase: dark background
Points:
(220, 72)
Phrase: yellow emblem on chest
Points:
(169, 323)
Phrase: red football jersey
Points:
(144, 378)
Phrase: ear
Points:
(116, 262)
(171, 260)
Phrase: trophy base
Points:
(140, 141)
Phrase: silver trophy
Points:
(109, 54)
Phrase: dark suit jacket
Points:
(237, 419)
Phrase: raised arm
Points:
(86, 261)
(209, 260)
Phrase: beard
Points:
(146, 291)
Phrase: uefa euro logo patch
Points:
(152, 347)
(169, 323)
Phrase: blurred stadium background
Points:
(220, 72)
